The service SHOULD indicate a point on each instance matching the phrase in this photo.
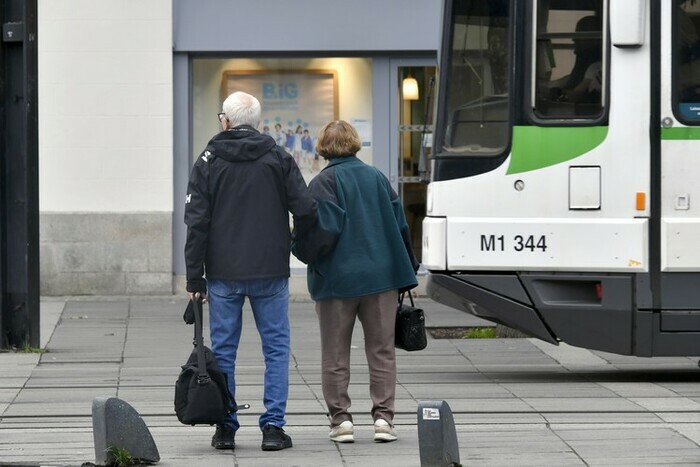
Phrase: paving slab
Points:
(559, 390)
(679, 417)
(667, 404)
(639, 390)
(582, 404)
(446, 391)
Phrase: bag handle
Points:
(202, 375)
(410, 297)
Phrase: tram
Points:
(564, 194)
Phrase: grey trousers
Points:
(336, 318)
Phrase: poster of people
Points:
(295, 106)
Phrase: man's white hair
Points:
(242, 109)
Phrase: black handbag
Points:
(409, 333)
(202, 396)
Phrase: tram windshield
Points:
(475, 78)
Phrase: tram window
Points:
(688, 58)
(476, 79)
(568, 59)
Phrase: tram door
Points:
(680, 166)
(413, 143)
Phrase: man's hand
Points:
(197, 296)
(188, 316)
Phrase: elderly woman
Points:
(359, 257)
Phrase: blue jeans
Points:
(269, 299)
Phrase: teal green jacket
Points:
(360, 244)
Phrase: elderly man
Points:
(240, 192)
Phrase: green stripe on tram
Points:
(538, 147)
(680, 133)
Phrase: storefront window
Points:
(298, 97)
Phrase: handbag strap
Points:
(202, 375)
(410, 297)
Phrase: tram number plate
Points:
(516, 243)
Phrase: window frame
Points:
(532, 116)
(443, 85)
(675, 67)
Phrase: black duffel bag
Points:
(202, 396)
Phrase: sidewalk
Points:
(515, 401)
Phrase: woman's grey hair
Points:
(242, 109)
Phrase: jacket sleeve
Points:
(299, 201)
(197, 217)
(319, 240)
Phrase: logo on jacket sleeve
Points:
(188, 198)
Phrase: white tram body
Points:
(564, 198)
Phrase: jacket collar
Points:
(342, 160)
(241, 129)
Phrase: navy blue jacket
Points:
(239, 196)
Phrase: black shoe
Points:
(275, 439)
(224, 437)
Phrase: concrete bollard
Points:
(437, 438)
(117, 424)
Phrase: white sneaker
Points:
(383, 431)
(342, 433)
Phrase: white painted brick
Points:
(105, 81)
(125, 163)
(160, 100)
(126, 10)
(161, 130)
(137, 163)
(66, 10)
(156, 194)
(158, 162)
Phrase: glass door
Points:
(414, 144)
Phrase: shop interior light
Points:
(410, 89)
